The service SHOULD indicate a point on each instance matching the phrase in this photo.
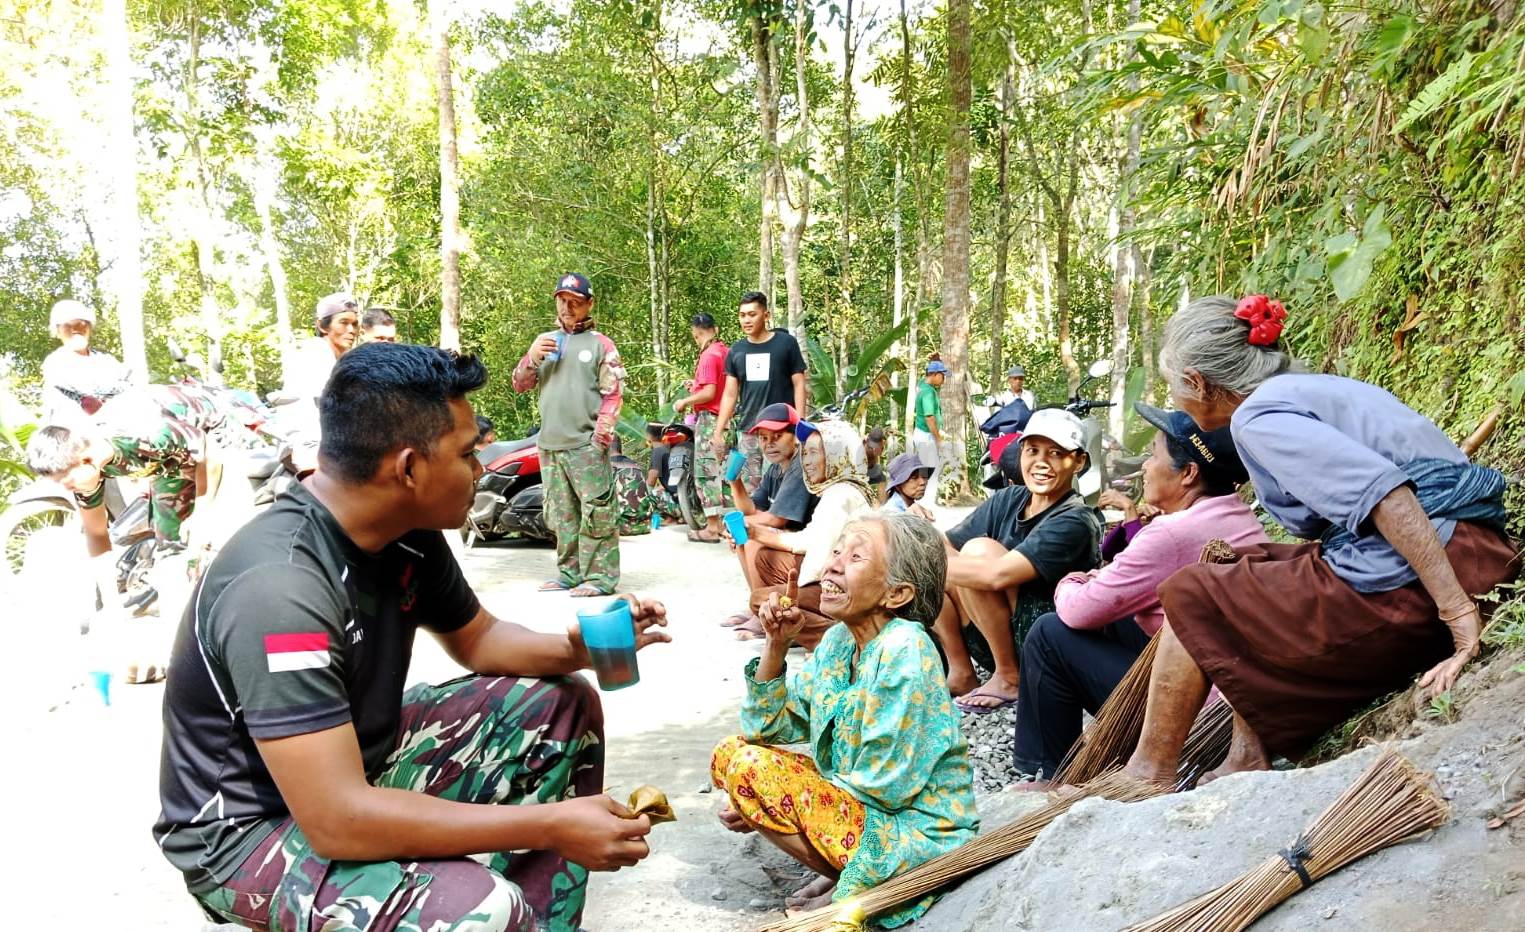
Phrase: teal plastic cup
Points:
(734, 465)
(736, 523)
(656, 522)
(608, 634)
(101, 679)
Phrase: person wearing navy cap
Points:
(927, 432)
(1075, 656)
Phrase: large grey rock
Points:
(1105, 865)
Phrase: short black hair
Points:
(755, 297)
(703, 320)
(484, 426)
(377, 317)
(382, 396)
(52, 450)
(655, 431)
(1214, 482)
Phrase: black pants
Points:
(1065, 671)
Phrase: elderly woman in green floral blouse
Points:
(886, 784)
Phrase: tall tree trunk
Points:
(654, 265)
(205, 223)
(264, 199)
(955, 284)
(923, 258)
(764, 58)
(1062, 271)
(796, 210)
(654, 289)
(127, 271)
(449, 187)
(1141, 263)
(1002, 237)
(845, 179)
(898, 286)
(1125, 264)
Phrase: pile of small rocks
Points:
(990, 738)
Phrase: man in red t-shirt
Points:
(707, 386)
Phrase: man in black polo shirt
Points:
(301, 786)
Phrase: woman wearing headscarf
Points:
(1298, 636)
(832, 463)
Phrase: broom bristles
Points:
(1390, 802)
(1115, 732)
(970, 857)
(1206, 744)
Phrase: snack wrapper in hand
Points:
(652, 803)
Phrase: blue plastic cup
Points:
(102, 682)
(734, 465)
(610, 638)
(736, 523)
(560, 336)
(656, 522)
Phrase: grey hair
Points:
(1206, 336)
(53, 449)
(915, 556)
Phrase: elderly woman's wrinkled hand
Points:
(1466, 630)
(781, 617)
(648, 615)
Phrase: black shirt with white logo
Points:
(292, 630)
(765, 372)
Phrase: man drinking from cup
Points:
(302, 787)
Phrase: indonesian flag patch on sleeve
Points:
(287, 652)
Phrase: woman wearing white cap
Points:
(76, 378)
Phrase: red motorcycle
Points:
(510, 498)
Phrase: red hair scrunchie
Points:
(1264, 316)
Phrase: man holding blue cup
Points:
(304, 782)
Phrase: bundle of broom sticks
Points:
(1390, 802)
(972, 856)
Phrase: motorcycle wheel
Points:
(21, 525)
(688, 503)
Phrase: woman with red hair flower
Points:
(1299, 636)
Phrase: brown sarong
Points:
(1296, 650)
(773, 569)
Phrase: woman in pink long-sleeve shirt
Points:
(1073, 659)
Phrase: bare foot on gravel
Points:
(814, 903)
(820, 886)
(1235, 763)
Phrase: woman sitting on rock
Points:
(831, 462)
(1075, 656)
(1299, 636)
(887, 783)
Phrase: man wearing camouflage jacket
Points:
(580, 377)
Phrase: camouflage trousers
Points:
(639, 501)
(477, 739)
(752, 472)
(582, 510)
(709, 469)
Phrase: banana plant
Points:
(870, 369)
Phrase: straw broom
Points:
(968, 858)
(1206, 744)
(1120, 720)
(1390, 802)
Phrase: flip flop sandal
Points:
(587, 592)
(699, 537)
(740, 618)
(554, 585)
(962, 705)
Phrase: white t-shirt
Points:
(96, 374)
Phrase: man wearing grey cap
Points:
(336, 322)
(76, 378)
(1016, 379)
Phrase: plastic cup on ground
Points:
(656, 522)
(736, 523)
(608, 634)
(735, 465)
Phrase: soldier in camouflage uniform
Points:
(580, 377)
(301, 786)
(638, 499)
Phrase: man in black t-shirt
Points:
(301, 785)
(766, 368)
(1007, 556)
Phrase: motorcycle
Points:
(681, 466)
(510, 497)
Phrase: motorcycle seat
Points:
(494, 451)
